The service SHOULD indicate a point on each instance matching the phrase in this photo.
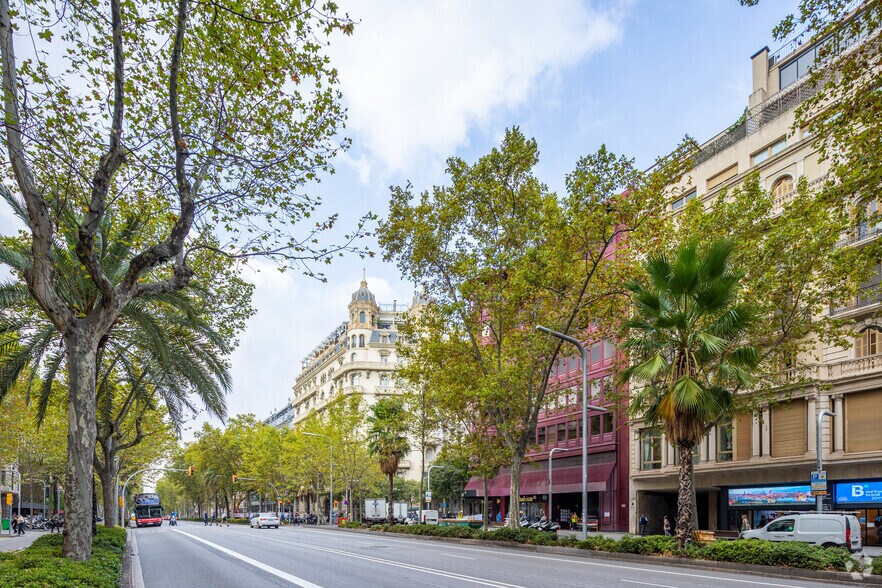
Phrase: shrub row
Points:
(42, 565)
(876, 567)
(746, 551)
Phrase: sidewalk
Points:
(17, 542)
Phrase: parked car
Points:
(822, 529)
(264, 519)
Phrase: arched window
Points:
(352, 357)
(384, 380)
(354, 379)
(353, 340)
(361, 340)
(782, 186)
(868, 342)
(361, 318)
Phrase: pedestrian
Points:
(214, 519)
(498, 517)
(666, 525)
(878, 521)
(644, 525)
(745, 524)
(21, 525)
(763, 521)
(224, 520)
(14, 525)
(205, 518)
(574, 520)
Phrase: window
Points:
(353, 379)
(384, 380)
(540, 436)
(552, 437)
(729, 172)
(684, 200)
(780, 526)
(768, 151)
(573, 429)
(868, 342)
(561, 432)
(650, 449)
(384, 358)
(430, 454)
(789, 427)
(353, 340)
(607, 422)
(361, 340)
(862, 430)
(609, 349)
(595, 425)
(596, 352)
(361, 317)
(782, 186)
(724, 441)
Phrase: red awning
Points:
(536, 481)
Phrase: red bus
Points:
(148, 510)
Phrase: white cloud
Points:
(418, 76)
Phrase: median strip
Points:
(252, 562)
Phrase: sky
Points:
(424, 81)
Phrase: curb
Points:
(721, 566)
(131, 576)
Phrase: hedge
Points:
(42, 565)
(876, 567)
(746, 551)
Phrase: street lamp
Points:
(585, 408)
(550, 494)
(429, 483)
(331, 449)
(819, 499)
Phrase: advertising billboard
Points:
(859, 492)
(771, 495)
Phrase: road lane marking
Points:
(651, 567)
(457, 556)
(647, 583)
(398, 564)
(253, 562)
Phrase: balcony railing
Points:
(853, 367)
(862, 232)
(870, 294)
(783, 200)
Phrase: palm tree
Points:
(159, 346)
(387, 440)
(687, 352)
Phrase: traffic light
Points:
(191, 470)
(280, 503)
(235, 477)
(335, 504)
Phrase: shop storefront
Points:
(762, 504)
(864, 497)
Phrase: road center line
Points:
(253, 562)
(647, 583)
(398, 564)
(458, 556)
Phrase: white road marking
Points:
(253, 562)
(577, 560)
(647, 583)
(458, 556)
(397, 564)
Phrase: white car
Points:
(264, 519)
(822, 529)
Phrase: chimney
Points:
(761, 90)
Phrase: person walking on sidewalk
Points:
(666, 525)
(745, 524)
(205, 518)
(644, 525)
(21, 525)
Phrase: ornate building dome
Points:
(363, 294)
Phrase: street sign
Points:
(443, 505)
(819, 483)
(428, 496)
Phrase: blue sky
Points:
(435, 79)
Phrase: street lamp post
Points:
(550, 493)
(585, 408)
(331, 450)
(819, 500)
(429, 482)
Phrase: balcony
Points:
(854, 367)
(870, 295)
(862, 232)
(783, 200)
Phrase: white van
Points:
(822, 529)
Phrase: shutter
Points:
(789, 429)
(863, 421)
(743, 425)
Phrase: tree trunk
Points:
(390, 505)
(109, 490)
(485, 516)
(514, 517)
(685, 496)
(94, 508)
(81, 433)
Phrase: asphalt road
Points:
(193, 555)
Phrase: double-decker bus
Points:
(148, 510)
